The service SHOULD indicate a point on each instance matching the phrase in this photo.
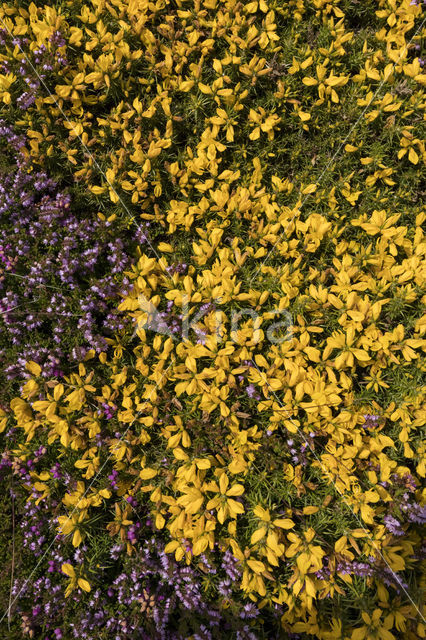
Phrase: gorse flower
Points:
(75, 580)
(223, 502)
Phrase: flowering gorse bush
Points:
(203, 469)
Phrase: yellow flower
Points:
(359, 501)
(71, 524)
(223, 502)
(348, 351)
(374, 628)
(374, 381)
(121, 521)
(75, 580)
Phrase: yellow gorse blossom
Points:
(223, 502)
(75, 579)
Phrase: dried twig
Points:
(13, 559)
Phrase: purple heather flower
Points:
(32, 209)
(250, 390)
(249, 611)
(416, 513)
(371, 421)
(393, 525)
